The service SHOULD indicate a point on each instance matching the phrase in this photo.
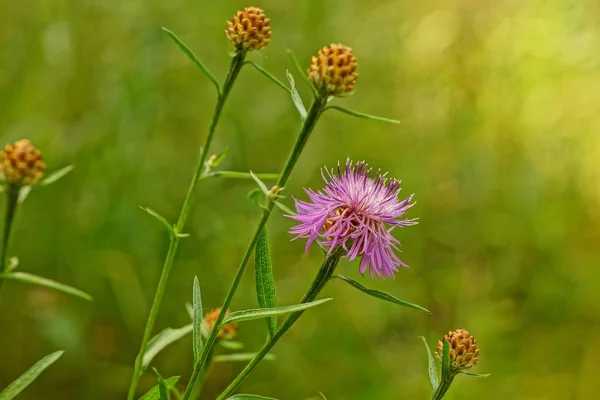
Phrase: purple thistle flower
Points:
(354, 211)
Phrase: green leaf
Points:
(29, 376)
(445, 360)
(265, 282)
(256, 196)
(250, 397)
(241, 175)
(162, 387)
(258, 313)
(362, 115)
(301, 71)
(56, 175)
(433, 375)
(231, 344)
(162, 340)
(269, 75)
(28, 278)
(285, 208)
(260, 183)
(219, 158)
(197, 321)
(474, 374)
(23, 194)
(296, 96)
(236, 357)
(322, 396)
(193, 57)
(160, 219)
(379, 294)
(154, 393)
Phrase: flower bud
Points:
(21, 164)
(227, 332)
(249, 29)
(463, 350)
(333, 70)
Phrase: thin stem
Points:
(12, 200)
(443, 387)
(321, 279)
(308, 125)
(234, 70)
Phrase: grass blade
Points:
(29, 376)
(28, 278)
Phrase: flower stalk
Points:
(234, 70)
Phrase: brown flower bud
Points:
(249, 29)
(463, 349)
(227, 332)
(333, 70)
(21, 164)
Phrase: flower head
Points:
(249, 29)
(333, 70)
(463, 349)
(21, 163)
(357, 212)
(227, 332)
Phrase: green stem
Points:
(323, 276)
(12, 201)
(309, 123)
(234, 70)
(443, 387)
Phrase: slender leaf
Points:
(236, 357)
(241, 175)
(193, 57)
(250, 397)
(379, 294)
(56, 175)
(474, 374)
(23, 194)
(301, 71)
(231, 344)
(362, 115)
(265, 282)
(260, 183)
(219, 158)
(322, 396)
(177, 393)
(160, 219)
(197, 321)
(162, 340)
(296, 96)
(154, 393)
(162, 387)
(258, 313)
(270, 76)
(28, 278)
(433, 374)
(285, 208)
(29, 376)
(445, 360)
(256, 196)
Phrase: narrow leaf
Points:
(29, 376)
(56, 175)
(162, 387)
(241, 175)
(197, 321)
(445, 360)
(265, 282)
(154, 393)
(475, 375)
(260, 183)
(258, 313)
(433, 374)
(160, 219)
(231, 344)
(301, 71)
(23, 194)
(322, 396)
(285, 208)
(193, 57)
(362, 115)
(236, 357)
(28, 278)
(379, 294)
(250, 397)
(270, 76)
(162, 340)
(219, 158)
(256, 196)
(296, 96)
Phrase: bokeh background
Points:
(499, 102)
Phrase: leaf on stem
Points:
(154, 393)
(257, 197)
(29, 376)
(445, 360)
(260, 183)
(265, 282)
(197, 321)
(241, 175)
(160, 219)
(379, 294)
(362, 115)
(250, 397)
(219, 158)
(285, 208)
(193, 57)
(296, 96)
(23, 194)
(258, 313)
(56, 175)
(301, 71)
(28, 278)
(237, 357)
(433, 374)
(474, 374)
(162, 387)
(269, 76)
(162, 340)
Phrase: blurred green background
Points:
(499, 102)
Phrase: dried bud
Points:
(249, 29)
(21, 164)
(227, 332)
(333, 70)
(463, 349)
